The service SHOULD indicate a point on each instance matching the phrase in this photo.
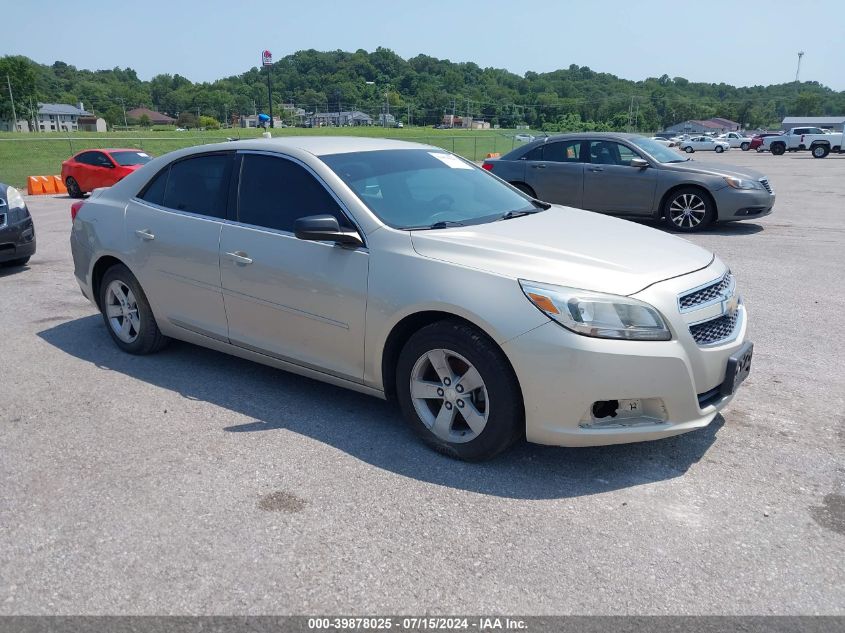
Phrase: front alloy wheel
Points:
(449, 396)
(688, 210)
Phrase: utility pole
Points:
(32, 116)
(125, 124)
(797, 70)
(14, 115)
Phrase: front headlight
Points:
(596, 314)
(742, 183)
(14, 198)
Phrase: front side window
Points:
(199, 185)
(419, 188)
(274, 192)
(101, 160)
(611, 153)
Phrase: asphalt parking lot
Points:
(190, 482)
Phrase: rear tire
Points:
(820, 151)
(689, 150)
(778, 149)
(524, 189)
(73, 189)
(689, 209)
(473, 422)
(127, 313)
(744, 146)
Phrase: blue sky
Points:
(714, 40)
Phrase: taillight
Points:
(74, 209)
(487, 166)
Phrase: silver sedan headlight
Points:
(596, 314)
(743, 183)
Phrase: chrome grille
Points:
(715, 330)
(766, 185)
(713, 292)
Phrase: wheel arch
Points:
(664, 200)
(98, 271)
(406, 327)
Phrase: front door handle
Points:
(240, 257)
(145, 234)
(538, 166)
(596, 168)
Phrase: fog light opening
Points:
(605, 409)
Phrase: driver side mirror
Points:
(325, 228)
(639, 163)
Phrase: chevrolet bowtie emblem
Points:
(730, 305)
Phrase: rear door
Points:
(297, 300)
(83, 170)
(612, 185)
(555, 171)
(173, 236)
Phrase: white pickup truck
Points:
(815, 139)
(735, 139)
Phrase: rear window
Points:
(127, 159)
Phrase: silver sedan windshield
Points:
(420, 188)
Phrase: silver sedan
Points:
(403, 271)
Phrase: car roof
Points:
(108, 150)
(589, 136)
(323, 145)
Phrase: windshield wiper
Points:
(518, 214)
(442, 224)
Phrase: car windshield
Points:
(422, 188)
(658, 151)
(129, 158)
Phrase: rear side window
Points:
(199, 185)
(275, 192)
(86, 158)
(154, 191)
(563, 152)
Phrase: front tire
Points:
(689, 209)
(127, 313)
(778, 149)
(73, 189)
(458, 392)
(744, 146)
(719, 149)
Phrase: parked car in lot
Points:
(93, 168)
(666, 142)
(17, 230)
(704, 144)
(401, 270)
(626, 174)
(819, 142)
(757, 140)
(735, 139)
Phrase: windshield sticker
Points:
(142, 154)
(452, 161)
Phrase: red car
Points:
(92, 168)
(757, 139)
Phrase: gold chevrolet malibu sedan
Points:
(403, 271)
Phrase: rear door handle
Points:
(145, 234)
(538, 166)
(240, 257)
(596, 168)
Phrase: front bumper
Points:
(563, 375)
(17, 240)
(738, 204)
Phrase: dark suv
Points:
(17, 231)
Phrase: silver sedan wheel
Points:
(449, 396)
(122, 311)
(687, 211)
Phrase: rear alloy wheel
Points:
(689, 150)
(744, 146)
(688, 210)
(127, 313)
(458, 392)
(820, 151)
(73, 189)
(778, 149)
(719, 149)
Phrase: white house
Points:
(59, 117)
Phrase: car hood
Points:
(696, 167)
(569, 247)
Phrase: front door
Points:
(297, 300)
(612, 185)
(173, 235)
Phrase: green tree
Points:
(187, 120)
(144, 121)
(209, 123)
